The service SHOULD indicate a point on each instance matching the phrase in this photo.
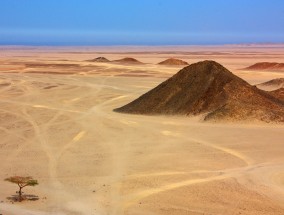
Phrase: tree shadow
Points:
(25, 197)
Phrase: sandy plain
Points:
(57, 125)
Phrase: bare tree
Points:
(22, 182)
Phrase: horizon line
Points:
(140, 45)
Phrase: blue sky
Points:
(140, 22)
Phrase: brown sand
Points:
(60, 129)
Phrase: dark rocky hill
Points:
(208, 89)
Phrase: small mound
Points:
(173, 62)
(99, 59)
(272, 84)
(266, 66)
(208, 89)
(128, 60)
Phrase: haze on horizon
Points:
(147, 22)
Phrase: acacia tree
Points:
(22, 182)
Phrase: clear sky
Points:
(140, 22)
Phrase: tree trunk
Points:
(20, 194)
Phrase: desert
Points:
(57, 125)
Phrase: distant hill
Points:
(266, 66)
(208, 89)
(278, 82)
(128, 60)
(99, 59)
(273, 84)
(173, 62)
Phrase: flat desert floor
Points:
(57, 125)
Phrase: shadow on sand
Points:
(25, 197)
